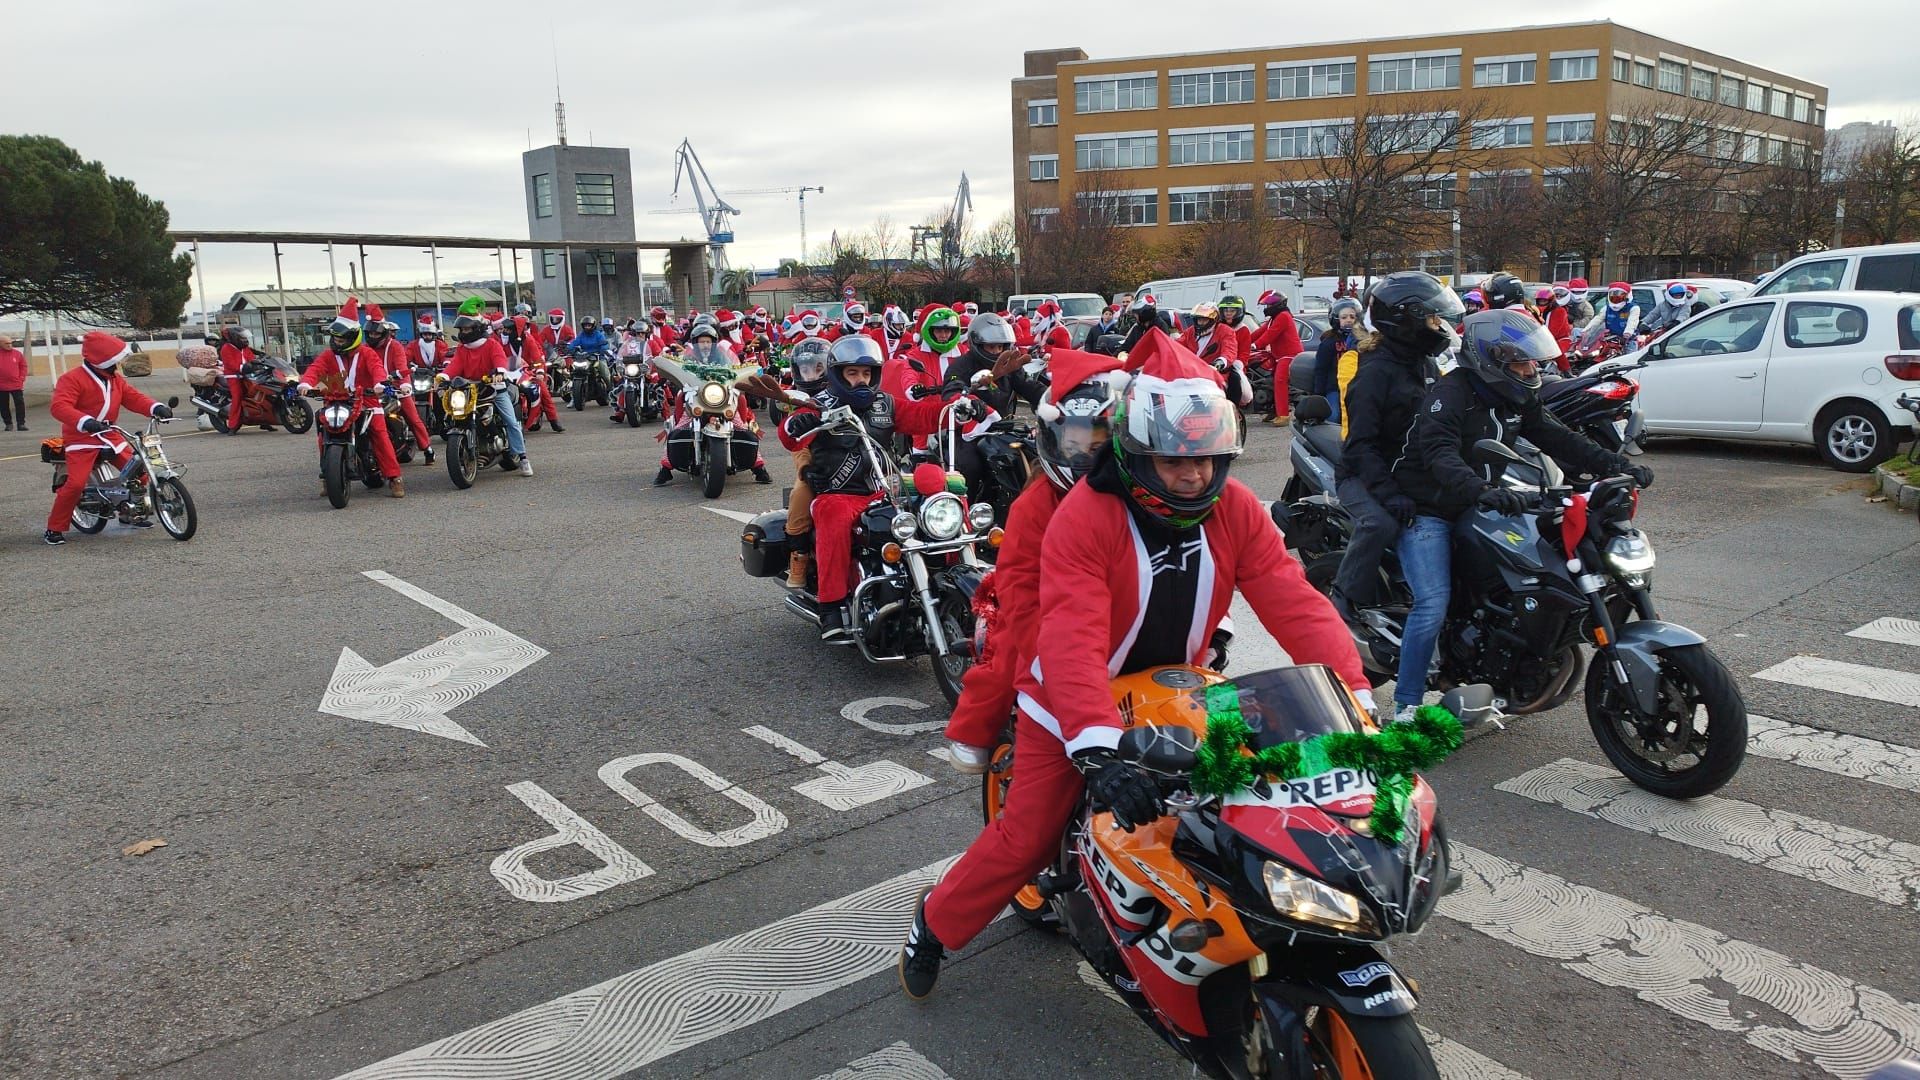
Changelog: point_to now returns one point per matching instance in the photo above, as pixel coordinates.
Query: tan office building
(1170, 137)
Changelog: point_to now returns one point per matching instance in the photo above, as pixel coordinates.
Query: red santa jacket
(1280, 337)
(1056, 337)
(988, 691)
(1022, 331)
(83, 394)
(232, 357)
(1096, 579)
(1221, 343)
(1561, 327)
(919, 419)
(359, 372)
(422, 353)
(477, 361)
(393, 357)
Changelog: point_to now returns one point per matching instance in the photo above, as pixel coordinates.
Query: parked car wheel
(1852, 436)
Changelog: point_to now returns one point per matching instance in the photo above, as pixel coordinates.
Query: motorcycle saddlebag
(745, 448)
(763, 545)
(680, 448)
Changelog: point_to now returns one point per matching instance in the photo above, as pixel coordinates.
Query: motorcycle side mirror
(173, 402)
(1498, 449)
(1167, 750)
(1472, 703)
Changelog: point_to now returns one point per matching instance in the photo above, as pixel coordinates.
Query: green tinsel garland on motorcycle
(719, 373)
(1392, 756)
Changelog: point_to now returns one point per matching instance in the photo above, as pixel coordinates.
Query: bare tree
(994, 252)
(1373, 182)
(1882, 186)
(1088, 244)
(1500, 221)
(1230, 234)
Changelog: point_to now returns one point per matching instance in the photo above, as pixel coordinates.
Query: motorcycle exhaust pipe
(205, 407)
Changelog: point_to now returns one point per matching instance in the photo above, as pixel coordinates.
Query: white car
(1819, 368)
(1880, 268)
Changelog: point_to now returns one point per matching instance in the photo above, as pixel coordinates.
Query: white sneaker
(1404, 714)
(526, 467)
(968, 759)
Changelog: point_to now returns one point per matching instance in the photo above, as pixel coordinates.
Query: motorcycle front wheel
(1343, 1047)
(1668, 754)
(632, 411)
(579, 394)
(174, 507)
(333, 470)
(956, 624)
(297, 416)
(714, 480)
(461, 468)
(1032, 908)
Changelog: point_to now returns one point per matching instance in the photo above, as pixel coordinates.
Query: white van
(1073, 305)
(1180, 294)
(1881, 268)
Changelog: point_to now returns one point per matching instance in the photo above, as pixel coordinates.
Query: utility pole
(1456, 248)
(1840, 221)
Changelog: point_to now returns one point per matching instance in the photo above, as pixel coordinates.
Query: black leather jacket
(1378, 410)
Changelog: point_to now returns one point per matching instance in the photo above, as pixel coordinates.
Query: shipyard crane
(949, 229)
(800, 190)
(716, 213)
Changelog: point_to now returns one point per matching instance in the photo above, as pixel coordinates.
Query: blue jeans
(506, 403)
(1426, 558)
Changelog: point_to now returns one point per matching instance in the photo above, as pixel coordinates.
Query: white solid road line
(637, 1018)
(896, 1062)
(1846, 859)
(1855, 680)
(1898, 631)
(1889, 764)
(1796, 1011)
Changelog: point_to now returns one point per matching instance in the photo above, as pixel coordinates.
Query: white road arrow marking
(417, 691)
(740, 516)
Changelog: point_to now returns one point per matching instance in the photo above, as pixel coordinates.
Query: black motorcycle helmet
(1503, 291)
(854, 350)
(1074, 431)
(469, 328)
(343, 334)
(234, 336)
(808, 359)
(989, 336)
(587, 324)
(1505, 349)
(1411, 309)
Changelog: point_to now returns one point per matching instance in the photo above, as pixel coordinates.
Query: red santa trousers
(833, 518)
(79, 471)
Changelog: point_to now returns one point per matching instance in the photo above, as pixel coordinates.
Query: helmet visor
(1073, 443)
(1173, 422)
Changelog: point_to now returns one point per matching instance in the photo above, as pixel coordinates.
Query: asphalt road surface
(651, 827)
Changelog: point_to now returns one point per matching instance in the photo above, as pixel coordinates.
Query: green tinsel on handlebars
(1225, 765)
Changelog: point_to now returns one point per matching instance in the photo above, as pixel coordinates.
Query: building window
(1673, 76)
(1400, 74)
(1116, 95)
(1802, 108)
(600, 263)
(1623, 69)
(1573, 68)
(1115, 152)
(1557, 181)
(1565, 131)
(1780, 104)
(1494, 134)
(1820, 116)
(1122, 208)
(1284, 198)
(1643, 74)
(1776, 151)
(549, 262)
(1043, 113)
(1434, 192)
(1209, 147)
(1569, 265)
(1295, 142)
(1415, 134)
(593, 193)
(1752, 146)
(1483, 189)
(1732, 91)
(1701, 85)
(1210, 87)
(1043, 167)
(1756, 98)
(542, 195)
(1326, 78)
(1189, 207)
(1043, 219)
(1726, 145)
(1503, 71)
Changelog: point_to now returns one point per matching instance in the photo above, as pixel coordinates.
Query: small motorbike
(535, 385)
(476, 436)
(587, 372)
(1251, 930)
(272, 396)
(346, 448)
(405, 446)
(640, 395)
(148, 486)
(716, 435)
(913, 557)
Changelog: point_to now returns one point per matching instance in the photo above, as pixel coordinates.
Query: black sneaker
(920, 957)
(555, 425)
(760, 475)
(54, 539)
(1344, 606)
(663, 477)
(833, 624)
(429, 455)
(141, 523)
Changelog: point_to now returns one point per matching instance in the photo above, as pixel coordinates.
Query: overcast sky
(409, 117)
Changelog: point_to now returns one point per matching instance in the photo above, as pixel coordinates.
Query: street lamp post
(1839, 221)
(1456, 247)
(439, 307)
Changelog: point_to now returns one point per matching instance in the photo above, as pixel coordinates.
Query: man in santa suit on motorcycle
(926, 363)
(522, 339)
(393, 357)
(236, 351)
(1048, 332)
(663, 326)
(1219, 346)
(86, 402)
(558, 331)
(893, 326)
(350, 370)
(853, 320)
(1137, 569)
(809, 324)
(478, 358)
(427, 349)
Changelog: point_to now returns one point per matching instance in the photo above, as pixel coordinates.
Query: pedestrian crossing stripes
(1897, 631)
(896, 1062)
(1835, 855)
(1796, 1011)
(1888, 764)
(1854, 680)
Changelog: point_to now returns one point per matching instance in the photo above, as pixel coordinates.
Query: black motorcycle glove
(1113, 785)
(801, 423)
(161, 412)
(1217, 649)
(1642, 476)
(94, 426)
(1402, 508)
(1501, 500)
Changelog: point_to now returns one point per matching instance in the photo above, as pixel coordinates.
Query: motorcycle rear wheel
(461, 468)
(174, 507)
(333, 469)
(297, 416)
(1031, 907)
(1691, 679)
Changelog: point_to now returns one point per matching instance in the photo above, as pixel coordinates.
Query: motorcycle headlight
(459, 401)
(579, 365)
(633, 371)
(1630, 554)
(980, 516)
(903, 527)
(1297, 896)
(942, 517)
(336, 415)
(713, 395)
(422, 384)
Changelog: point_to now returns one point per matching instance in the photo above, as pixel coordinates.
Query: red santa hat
(426, 325)
(102, 350)
(348, 321)
(1160, 359)
(374, 314)
(1072, 368)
